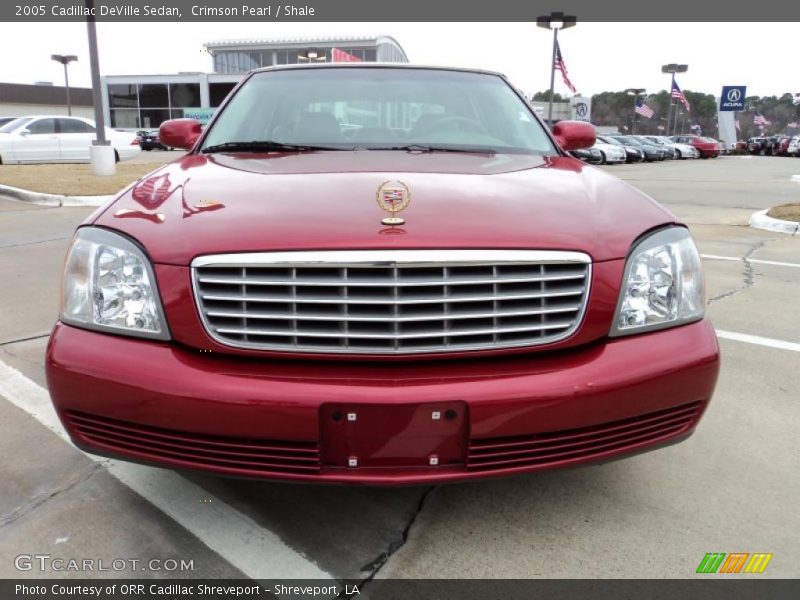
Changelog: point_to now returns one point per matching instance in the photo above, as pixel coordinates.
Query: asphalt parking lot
(732, 487)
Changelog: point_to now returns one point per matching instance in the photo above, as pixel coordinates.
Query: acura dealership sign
(581, 108)
(732, 97)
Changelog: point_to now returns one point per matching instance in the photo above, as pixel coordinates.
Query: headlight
(662, 285)
(109, 285)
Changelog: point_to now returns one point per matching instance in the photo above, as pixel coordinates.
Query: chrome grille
(391, 301)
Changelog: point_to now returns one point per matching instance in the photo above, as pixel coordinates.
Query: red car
(707, 147)
(381, 275)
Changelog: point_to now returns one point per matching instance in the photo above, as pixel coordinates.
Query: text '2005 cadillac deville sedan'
(379, 274)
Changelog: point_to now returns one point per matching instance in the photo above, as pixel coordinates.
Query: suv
(445, 294)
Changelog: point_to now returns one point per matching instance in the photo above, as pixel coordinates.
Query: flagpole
(552, 77)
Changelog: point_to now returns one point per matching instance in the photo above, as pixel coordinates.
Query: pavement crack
(30, 338)
(748, 276)
(40, 499)
(375, 565)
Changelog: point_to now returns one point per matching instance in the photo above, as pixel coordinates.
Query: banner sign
(732, 97)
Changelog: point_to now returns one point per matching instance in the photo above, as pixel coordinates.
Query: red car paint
(707, 149)
(194, 403)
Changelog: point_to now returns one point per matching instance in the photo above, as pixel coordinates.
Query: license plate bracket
(393, 435)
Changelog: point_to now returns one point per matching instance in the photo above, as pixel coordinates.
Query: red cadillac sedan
(380, 275)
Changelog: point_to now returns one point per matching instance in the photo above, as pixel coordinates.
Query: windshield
(15, 124)
(380, 108)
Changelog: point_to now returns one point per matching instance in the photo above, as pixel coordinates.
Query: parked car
(471, 301)
(794, 146)
(781, 148)
(592, 155)
(651, 151)
(610, 153)
(4, 120)
(707, 147)
(680, 151)
(51, 139)
(148, 140)
(633, 153)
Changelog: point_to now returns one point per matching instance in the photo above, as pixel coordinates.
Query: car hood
(224, 203)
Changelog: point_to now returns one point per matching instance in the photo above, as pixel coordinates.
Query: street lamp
(672, 68)
(554, 21)
(635, 92)
(65, 60)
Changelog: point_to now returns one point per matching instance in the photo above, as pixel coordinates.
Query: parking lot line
(255, 551)
(757, 339)
(751, 260)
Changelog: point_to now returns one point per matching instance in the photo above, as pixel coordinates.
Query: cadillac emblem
(393, 196)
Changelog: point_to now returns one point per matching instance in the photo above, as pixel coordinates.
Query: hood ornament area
(393, 197)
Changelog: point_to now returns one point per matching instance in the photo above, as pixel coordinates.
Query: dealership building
(145, 101)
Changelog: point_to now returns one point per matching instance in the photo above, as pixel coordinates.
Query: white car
(681, 150)
(611, 153)
(794, 146)
(53, 138)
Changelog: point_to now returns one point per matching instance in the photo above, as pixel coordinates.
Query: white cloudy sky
(600, 56)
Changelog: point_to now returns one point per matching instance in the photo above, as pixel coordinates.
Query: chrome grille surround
(391, 301)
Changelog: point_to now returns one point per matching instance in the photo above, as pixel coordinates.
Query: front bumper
(392, 423)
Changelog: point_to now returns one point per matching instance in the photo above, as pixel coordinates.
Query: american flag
(760, 119)
(342, 56)
(678, 95)
(642, 109)
(560, 66)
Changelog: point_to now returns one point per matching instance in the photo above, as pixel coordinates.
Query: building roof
(21, 93)
(268, 42)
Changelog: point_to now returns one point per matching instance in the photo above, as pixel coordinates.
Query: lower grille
(554, 447)
(391, 302)
(254, 456)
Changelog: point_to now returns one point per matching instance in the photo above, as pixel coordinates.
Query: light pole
(635, 92)
(554, 21)
(672, 68)
(65, 60)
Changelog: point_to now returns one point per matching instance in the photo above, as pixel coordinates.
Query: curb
(52, 200)
(760, 220)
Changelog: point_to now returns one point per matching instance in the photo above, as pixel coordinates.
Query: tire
(762, 152)
(116, 156)
(603, 156)
(678, 155)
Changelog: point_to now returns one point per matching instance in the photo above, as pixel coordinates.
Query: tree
(545, 97)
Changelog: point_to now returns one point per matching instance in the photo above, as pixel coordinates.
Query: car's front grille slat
(401, 302)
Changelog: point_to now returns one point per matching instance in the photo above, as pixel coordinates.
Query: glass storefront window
(153, 117)
(125, 118)
(184, 94)
(153, 95)
(122, 95)
(217, 92)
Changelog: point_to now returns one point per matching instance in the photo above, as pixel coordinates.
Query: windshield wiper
(432, 148)
(263, 146)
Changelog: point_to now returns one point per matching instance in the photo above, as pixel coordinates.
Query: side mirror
(179, 133)
(24, 132)
(574, 135)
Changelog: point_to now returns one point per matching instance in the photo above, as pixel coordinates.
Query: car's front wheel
(603, 160)
(678, 155)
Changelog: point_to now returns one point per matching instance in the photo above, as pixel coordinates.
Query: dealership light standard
(65, 60)
(672, 68)
(101, 152)
(636, 93)
(555, 21)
